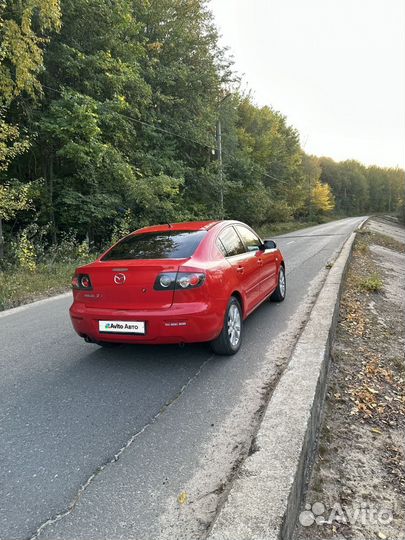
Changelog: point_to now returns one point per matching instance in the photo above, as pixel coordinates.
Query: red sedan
(178, 283)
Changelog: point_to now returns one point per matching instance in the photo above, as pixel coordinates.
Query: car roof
(184, 226)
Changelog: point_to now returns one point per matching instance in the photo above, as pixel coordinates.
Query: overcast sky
(335, 68)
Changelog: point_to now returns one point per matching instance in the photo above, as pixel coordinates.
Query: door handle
(240, 269)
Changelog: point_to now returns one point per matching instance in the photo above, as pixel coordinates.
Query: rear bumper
(182, 323)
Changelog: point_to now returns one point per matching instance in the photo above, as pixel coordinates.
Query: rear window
(157, 245)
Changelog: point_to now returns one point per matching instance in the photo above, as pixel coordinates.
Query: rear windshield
(156, 245)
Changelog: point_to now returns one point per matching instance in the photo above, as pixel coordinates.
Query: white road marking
(292, 241)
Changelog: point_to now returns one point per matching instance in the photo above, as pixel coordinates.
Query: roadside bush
(279, 212)
(68, 250)
(25, 252)
(83, 251)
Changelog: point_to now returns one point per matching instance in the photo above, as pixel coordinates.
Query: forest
(115, 114)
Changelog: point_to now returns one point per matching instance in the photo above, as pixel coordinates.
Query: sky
(334, 68)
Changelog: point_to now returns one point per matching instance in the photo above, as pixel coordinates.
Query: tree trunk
(90, 235)
(51, 203)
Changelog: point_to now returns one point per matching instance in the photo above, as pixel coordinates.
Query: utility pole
(219, 157)
(221, 173)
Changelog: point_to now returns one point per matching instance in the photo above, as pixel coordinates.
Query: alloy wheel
(234, 325)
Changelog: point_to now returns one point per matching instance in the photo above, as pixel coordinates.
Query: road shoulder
(265, 496)
(357, 488)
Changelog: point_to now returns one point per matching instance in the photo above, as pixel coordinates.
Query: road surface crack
(73, 503)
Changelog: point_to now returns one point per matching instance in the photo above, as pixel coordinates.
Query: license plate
(121, 327)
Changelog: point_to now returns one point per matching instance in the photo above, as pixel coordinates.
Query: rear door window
(230, 243)
(250, 239)
(156, 245)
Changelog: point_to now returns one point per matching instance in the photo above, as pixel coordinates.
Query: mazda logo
(119, 279)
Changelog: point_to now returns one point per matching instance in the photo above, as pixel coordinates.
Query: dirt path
(357, 488)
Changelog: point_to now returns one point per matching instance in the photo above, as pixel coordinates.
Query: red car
(177, 283)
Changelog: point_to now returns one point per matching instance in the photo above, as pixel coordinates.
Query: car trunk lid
(129, 285)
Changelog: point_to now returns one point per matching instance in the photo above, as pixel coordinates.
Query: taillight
(179, 281)
(189, 281)
(82, 281)
(166, 280)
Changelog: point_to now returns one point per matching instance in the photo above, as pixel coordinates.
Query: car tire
(229, 340)
(279, 294)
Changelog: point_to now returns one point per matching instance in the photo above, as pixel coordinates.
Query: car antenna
(169, 225)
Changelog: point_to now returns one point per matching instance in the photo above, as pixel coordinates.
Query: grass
(275, 229)
(21, 286)
(361, 247)
(373, 237)
(372, 283)
(388, 242)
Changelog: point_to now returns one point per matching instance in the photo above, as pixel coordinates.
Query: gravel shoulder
(357, 485)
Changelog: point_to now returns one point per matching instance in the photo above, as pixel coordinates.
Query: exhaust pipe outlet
(88, 340)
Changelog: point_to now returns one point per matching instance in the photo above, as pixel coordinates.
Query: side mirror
(269, 244)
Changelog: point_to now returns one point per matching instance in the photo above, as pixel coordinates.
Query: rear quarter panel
(221, 279)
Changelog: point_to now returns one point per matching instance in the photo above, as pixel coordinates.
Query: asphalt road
(99, 443)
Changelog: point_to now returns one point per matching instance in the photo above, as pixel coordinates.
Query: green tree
(130, 105)
(24, 27)
(311, 172)
(186, 70)
(348, 180)
(273, 151)
(86, 143)
(12, 200)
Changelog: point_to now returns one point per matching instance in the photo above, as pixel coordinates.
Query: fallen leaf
(182, 498)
